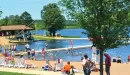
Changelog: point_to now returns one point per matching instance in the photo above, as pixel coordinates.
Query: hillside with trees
(23, 19)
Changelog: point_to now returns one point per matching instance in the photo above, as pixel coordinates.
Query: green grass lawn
(71, 36)
(72, 27)
(39, 27)
(12, 73)
(38, 37)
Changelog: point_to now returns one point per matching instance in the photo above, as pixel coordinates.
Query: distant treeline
(26, 19)
(39, 24)
(23, 19)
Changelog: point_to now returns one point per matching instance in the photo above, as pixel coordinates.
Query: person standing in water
(33, 54)
(46, 45)
(43, 53)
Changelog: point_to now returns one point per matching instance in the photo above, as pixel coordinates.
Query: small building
(13, 30)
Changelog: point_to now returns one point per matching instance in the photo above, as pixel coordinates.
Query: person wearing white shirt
(86, 63)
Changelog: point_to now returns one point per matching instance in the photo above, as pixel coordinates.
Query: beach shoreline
(116, 69)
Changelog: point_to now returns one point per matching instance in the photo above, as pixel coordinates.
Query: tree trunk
(54, 33)
(49, 33)
(101, 62)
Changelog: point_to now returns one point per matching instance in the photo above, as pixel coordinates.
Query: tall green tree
(13, 20)
(17, 20)
(0, 13)
(4, 21)
(52, 17)
(106, 21)
(26, 19)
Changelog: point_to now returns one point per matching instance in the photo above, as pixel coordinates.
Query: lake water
(122, 51)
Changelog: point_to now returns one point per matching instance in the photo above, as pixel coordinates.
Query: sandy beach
(4, 41)
(116, 69)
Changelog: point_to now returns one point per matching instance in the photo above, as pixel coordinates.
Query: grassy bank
(72, 27)
(38, 37)
(12, 73)
(40, 27)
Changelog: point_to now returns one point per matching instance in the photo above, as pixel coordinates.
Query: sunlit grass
(13, 73)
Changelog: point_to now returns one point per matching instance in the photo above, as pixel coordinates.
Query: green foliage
(72, 26)
(52, 18)
(106, 21)
(26, 19)
(39, 25)
(71, 23)
(12, 20)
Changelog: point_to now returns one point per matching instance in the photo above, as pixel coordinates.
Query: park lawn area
(70, 36)
(72, 27)
(38, 37)
(13, 73)
(40, 27)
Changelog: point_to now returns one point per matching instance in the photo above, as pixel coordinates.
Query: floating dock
(63, 49)
(71, 38)
(60, 49)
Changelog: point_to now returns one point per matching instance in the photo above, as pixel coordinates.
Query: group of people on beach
(119, 60)
(86, 63)
(67, 69)
(9, 54)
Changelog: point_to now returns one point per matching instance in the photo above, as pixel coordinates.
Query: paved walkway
(26, 71)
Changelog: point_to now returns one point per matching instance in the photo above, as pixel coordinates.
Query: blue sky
(13, 7)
